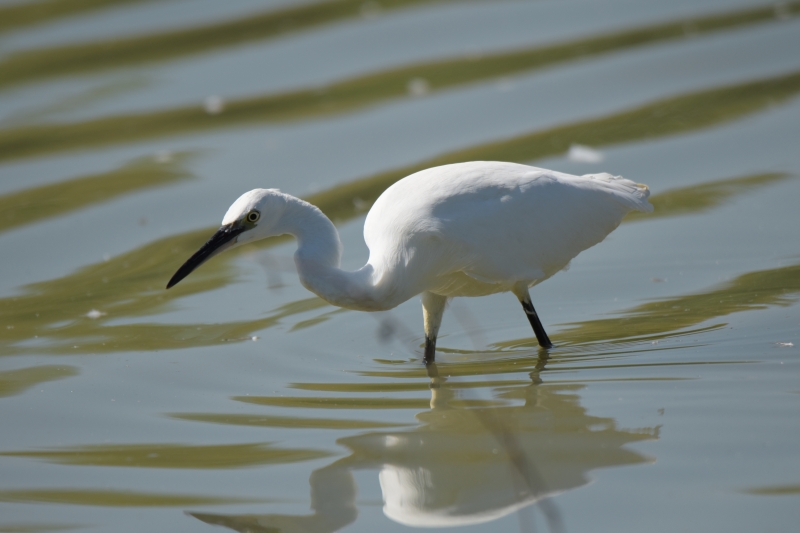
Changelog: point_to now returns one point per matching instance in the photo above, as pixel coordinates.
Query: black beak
(221, 240)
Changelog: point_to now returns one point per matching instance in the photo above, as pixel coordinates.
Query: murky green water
(238, 399)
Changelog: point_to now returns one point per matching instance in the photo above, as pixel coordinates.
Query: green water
(239, 399)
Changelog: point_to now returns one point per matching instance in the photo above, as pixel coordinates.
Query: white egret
(467, 229)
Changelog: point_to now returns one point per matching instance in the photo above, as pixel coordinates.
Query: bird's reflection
(465, 466)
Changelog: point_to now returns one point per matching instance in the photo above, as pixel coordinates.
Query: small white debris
(163, 157)
(360, 204)
(418, 87)
(254, 338)
(94, 313)
(584, 154)
(214, 104)
(785, 344)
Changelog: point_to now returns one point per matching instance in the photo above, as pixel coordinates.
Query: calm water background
(670, 402)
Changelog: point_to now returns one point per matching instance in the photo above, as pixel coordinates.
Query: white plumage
(478, 228)
(467, 229)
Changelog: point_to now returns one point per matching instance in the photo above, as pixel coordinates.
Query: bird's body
(467, 229)
(479, 228)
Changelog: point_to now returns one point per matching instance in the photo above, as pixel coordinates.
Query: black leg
(430, 350)
(536, 324)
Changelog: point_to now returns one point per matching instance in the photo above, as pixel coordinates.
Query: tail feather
(634, 195)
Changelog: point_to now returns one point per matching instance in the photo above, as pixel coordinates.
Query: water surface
(239, 399)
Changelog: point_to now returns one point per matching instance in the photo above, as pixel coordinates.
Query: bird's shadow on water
(469, 460)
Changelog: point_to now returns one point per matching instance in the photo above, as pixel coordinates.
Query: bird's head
(254, 215)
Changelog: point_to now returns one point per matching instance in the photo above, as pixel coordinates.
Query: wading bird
(467, 229)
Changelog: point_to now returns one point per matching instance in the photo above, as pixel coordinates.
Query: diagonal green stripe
(346, 95)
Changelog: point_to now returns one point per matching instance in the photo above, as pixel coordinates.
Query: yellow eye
(253, 216)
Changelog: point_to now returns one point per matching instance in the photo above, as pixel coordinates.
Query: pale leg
(432, 310)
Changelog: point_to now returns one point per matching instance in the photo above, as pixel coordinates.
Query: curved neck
(318, 257)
